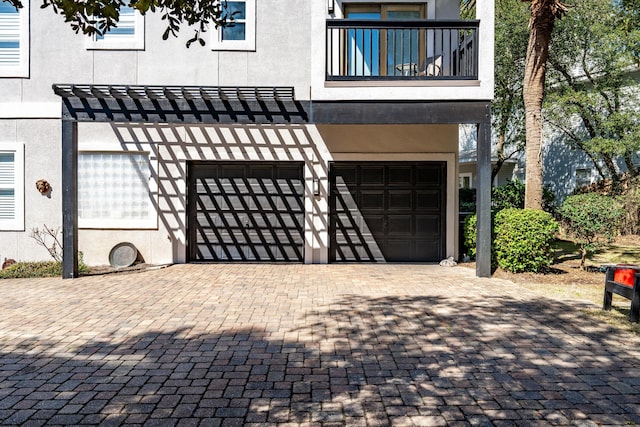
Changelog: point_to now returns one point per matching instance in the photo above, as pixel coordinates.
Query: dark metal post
(69, 199)
(483, 199)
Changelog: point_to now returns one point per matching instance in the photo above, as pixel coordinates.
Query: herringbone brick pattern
(357, 345)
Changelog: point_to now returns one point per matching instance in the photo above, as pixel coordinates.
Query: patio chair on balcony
(431, 66)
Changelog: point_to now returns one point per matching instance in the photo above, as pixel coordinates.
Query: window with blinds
(14, 40)
(114, 190)
(11, 187)
(127, 35)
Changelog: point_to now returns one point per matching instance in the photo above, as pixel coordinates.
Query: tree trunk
(610, 164)
(628, 161)
(583, 259)
(501, 157)
(543, 15)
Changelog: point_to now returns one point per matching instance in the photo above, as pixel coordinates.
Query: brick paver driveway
(307, 344)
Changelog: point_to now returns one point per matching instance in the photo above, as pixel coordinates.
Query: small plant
(592, 220)
(48, 238)
(523, 240)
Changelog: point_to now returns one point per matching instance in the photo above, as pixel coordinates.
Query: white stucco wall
(42, 153)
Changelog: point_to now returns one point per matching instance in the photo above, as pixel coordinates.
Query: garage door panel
(400, 225)
(345, 201)
(246, 211)
(429, 248)
(220, 219)
(397, 250)
(400, 200)
(372, 200)
(372, 175)
(429, 225)
(430, 176)
(387, 211)
(345, 175)
(400, 176)
(375, 224)
(429, 199)
(290, 203)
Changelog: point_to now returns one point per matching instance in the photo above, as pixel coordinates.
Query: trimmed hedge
(523, 239)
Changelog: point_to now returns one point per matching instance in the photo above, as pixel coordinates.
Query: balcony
(422, 50)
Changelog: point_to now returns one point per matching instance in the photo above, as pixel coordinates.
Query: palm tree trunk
(543, 15)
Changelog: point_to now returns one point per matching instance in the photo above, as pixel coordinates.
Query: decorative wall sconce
(316, 187)
(330, 6)
(43, 186)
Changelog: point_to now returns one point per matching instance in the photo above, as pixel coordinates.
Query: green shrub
(509, 195)
(592, 220)
(469, 230)
(523, 239)
(22, 270)
(25, 270)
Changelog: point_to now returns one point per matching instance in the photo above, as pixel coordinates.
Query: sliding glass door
(380, 52)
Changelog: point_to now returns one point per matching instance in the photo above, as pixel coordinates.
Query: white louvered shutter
(9, 35)
(126, 28)
(7, 186)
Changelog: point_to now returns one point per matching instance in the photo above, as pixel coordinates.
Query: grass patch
(27, 270)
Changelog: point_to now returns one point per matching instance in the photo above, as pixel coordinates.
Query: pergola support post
(483, 200)
(69, 199)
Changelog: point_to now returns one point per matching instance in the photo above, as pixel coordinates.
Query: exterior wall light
(330, 6)
(316, 187)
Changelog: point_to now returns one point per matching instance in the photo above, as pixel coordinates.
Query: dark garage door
(246, 211)
(387, 211)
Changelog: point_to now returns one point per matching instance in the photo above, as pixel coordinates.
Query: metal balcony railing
(358, 49)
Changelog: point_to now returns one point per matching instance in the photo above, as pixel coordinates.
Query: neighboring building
(467, 161)
(309, 132)
(566, 167)
(468, 177)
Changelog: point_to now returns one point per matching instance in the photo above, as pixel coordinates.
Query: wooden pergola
(255, 105)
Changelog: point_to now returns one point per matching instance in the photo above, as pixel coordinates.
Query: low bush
(523, 239)
(25, 270)
(469, 231)
(592, 220)
(509, 195)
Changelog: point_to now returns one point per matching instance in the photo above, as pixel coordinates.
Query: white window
(14, 40)
(127, 35)
(465, 180)
(242, 34)
(115, 190)
(12, 187)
